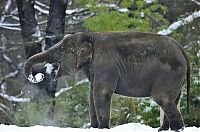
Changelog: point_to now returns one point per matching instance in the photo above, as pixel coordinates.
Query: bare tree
(31, 34)
(55, 31)
(29, 27)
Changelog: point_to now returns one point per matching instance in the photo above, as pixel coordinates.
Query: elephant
(131, 64)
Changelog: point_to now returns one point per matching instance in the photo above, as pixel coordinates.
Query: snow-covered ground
(131, 127)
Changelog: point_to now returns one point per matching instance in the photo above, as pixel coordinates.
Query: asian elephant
(130, 64)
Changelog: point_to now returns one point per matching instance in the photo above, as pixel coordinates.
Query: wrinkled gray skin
(131, 64)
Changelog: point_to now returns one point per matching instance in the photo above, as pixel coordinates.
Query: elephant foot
(177, 126)
(87, 126)
(179, 130)
(163, 129)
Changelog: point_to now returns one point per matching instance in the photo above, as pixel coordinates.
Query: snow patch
(123, 10)
(130, 127)
(198, 54)
(149, 1)
(49, 68)
(37, 78)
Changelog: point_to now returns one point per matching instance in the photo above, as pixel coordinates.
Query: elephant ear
(84, 54)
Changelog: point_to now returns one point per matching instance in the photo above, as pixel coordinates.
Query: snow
(198, 3)
(149, 1)
(123, 10)
(68, 88)
(10, 28)
(13, 98)
(41, 10)
(180, 23)
(130, 127)
(37, 78)
(49, 68)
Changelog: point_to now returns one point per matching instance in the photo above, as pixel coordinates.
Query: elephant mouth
(55, 69)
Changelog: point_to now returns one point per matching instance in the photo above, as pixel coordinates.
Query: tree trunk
(55, 30)
(31, 33)
(29, 27)
(56, 22)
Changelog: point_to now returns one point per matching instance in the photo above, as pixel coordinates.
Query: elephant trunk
(52, 55)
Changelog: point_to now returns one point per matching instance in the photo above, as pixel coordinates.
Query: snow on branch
(10, 26)
(62, 90)
(13, 98)
(68, 88)
(11, 74)
(41, 4)
(4, 106)
(176, 25)
(46, 12)
(198, 3)
(114, 6)
(68, 12)
(7, 6)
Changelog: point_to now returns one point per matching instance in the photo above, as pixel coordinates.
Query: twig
(13, 98)
(10, 28)
(10, 24)
(41, 4)
(7, 6)
(62, 90)
(11, 74)
(4, 107)
(7, 58)
(46, 12)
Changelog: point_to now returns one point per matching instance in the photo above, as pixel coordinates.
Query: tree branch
(198, 3)
(184, 21)
(9, 26)
(62, 90)
(13, 98)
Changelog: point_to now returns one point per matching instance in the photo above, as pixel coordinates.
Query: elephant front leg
(102, 106)
(93, 116)
(104, 87)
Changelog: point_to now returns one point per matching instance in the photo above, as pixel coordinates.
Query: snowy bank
(131, 127)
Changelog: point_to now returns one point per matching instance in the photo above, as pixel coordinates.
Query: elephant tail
(187, 78)
(188, 84)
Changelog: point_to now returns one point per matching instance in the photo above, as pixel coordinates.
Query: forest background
(37, 25)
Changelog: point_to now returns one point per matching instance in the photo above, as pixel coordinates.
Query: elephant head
(70, 53)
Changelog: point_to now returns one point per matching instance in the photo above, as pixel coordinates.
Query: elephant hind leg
(171, 112)
(165, 124)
